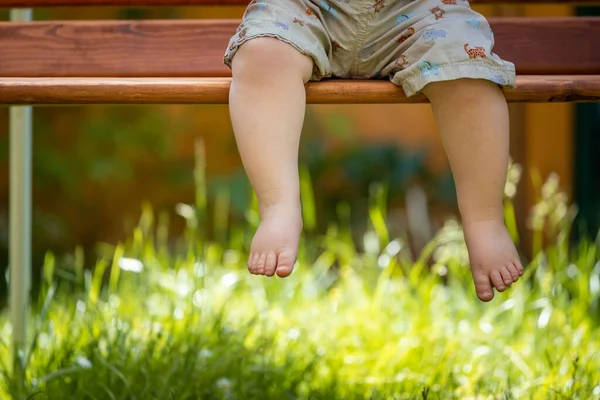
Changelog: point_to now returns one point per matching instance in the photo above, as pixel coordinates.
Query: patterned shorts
(413, 42)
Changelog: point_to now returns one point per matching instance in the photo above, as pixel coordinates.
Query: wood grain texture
(115, 48)
(540, 89)
(55, 3)
(195, 48)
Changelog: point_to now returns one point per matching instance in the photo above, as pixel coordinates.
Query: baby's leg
(472, 118)
(267, 104)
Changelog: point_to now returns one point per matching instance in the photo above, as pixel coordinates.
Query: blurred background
(94, 166)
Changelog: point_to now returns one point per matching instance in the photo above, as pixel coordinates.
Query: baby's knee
(269, 58)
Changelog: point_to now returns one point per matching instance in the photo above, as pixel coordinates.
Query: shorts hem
(414, 82)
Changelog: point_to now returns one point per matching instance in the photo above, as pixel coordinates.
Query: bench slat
(54, 3)
(215, 91)
(191, 48)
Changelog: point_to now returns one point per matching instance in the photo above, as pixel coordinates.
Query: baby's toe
(271, 264)
(285, 263)
(514, 273)
(519, 266)
(251, 263)
(262, 260)
(506, 276)
(255, 259)
(497, 280)
(483, 288)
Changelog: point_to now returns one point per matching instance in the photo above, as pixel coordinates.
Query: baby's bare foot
(493, 256)
(275, 245)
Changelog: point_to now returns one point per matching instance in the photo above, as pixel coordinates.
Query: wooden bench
(180, 61)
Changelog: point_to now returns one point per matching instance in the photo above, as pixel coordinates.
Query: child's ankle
(278, 199)
(479, 216)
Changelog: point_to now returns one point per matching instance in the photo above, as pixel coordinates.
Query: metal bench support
(20, 215)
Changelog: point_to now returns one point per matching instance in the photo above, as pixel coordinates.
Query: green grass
(348, 324)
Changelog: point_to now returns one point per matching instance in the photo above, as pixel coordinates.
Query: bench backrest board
(194, 48)
(54, 3)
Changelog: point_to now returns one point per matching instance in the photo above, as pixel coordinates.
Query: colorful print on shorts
(438, 12)
(327, 7)
(474, 22)
(403, 18)
(475, 52)
(311, 13)
(281, 25)
(429, 68)
(401, 61)
(378, 6)
(432, 34)
(407, 34)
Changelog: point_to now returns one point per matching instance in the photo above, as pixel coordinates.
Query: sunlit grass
(156, 320)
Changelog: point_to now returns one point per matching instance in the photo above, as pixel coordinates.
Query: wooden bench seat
(556, 60)
(536, 89)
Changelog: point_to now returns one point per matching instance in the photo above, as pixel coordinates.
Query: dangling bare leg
(472, 118)
(267, 106)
